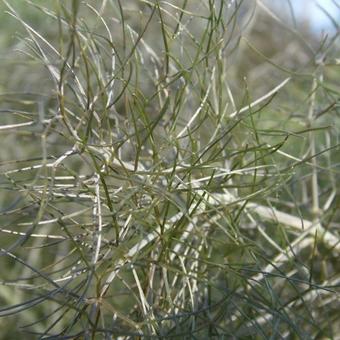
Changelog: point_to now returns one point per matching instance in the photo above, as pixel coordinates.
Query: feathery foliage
(167, 172)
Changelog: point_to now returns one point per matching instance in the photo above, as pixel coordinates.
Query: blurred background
(269, 24)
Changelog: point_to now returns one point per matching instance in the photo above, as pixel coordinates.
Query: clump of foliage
(164, 175)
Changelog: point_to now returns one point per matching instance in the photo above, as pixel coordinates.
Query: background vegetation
(168, 169)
